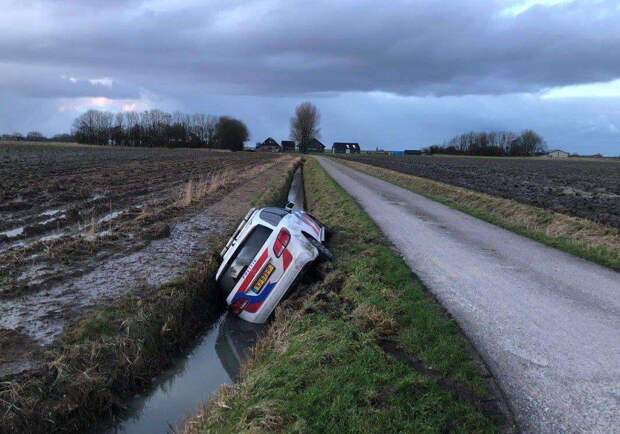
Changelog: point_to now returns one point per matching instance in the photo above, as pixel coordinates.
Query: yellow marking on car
(262, 280)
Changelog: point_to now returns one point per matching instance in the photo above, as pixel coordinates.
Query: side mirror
(289, 206)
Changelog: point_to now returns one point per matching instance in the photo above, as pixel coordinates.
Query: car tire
(324, 253)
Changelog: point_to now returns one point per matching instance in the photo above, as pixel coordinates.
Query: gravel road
(547, 323)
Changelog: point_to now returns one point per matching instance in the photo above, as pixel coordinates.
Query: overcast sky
(394, 74)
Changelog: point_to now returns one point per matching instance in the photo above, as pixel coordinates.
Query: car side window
(273, 215)
(243, 257)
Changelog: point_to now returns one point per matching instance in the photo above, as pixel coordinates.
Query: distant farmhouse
(316, 146)
(345, 148)
(269, 145)
(288, 146)
(557, 153)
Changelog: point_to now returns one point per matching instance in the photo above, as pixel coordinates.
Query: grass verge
(364, 350)
(578, 236)
(116, 350)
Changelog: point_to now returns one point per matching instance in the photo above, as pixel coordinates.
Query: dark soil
(582, 188)
(65, 208)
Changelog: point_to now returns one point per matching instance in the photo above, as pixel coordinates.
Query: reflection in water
(193, 378)
(234, 342)
(296, 191)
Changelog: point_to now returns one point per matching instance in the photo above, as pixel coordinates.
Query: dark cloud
(276, 47)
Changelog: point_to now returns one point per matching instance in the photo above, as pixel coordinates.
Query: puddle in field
(194, 377)
(53, 236)
(12, 233)
(110, 216)
(42, 316)
(50, 212)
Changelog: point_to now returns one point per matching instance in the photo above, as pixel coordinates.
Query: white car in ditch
(265, 257)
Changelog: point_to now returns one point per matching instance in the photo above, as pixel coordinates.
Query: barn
(269, 145)
(345, 148)
(557, 153)
(315, 146)
(288, 146)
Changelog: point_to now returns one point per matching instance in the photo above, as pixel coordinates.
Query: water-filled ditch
(213, 361)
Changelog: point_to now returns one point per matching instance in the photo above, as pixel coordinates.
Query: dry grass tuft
(186, 195)
(369, 317)
(194, 191)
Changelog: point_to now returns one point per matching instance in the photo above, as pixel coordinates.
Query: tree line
(35, 136)
(156, 128)
(494, 143)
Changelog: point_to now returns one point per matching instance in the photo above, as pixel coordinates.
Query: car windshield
(273, 215)
(243, 257)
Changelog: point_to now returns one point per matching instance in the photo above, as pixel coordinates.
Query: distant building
(269, 145)
(413, 152)
(557, 153)
(345, 148)
(288, 146)
(316, 146)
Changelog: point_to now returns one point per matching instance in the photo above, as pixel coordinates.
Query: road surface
(547, 323)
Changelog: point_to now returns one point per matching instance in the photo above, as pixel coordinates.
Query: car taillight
(281, 242)
(238, 306)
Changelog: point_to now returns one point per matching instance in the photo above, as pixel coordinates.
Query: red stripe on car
(287, 258)
(257, 267)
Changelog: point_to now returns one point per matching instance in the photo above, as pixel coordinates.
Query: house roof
(269, 141)
(557, 150)
(316, 142)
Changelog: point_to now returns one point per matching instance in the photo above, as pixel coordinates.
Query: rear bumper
(283, 285)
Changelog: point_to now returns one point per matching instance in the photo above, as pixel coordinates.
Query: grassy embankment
(116, 350)
(363, 350)
(578, 236)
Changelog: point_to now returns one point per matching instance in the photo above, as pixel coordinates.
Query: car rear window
(243, 257)
(273, 215)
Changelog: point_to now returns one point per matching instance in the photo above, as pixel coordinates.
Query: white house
(557, 153)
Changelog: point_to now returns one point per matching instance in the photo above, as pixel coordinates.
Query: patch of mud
(42, 316)
(18, 353)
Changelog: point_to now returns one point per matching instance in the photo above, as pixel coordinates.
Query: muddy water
(42, 316)
(296, 192)
(194, 377)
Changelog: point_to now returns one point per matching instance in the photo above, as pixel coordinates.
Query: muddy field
(582, 188)
(81, 225)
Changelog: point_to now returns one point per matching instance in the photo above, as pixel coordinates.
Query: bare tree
(148, 128)
(494, 143)
(305, 125)
(35, 136)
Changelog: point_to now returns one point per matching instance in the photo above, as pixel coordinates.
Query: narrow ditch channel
(196, 375)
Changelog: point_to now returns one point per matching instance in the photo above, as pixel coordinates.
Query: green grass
(365, 350)
(578, 236)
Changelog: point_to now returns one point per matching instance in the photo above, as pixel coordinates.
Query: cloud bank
(483, 64)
